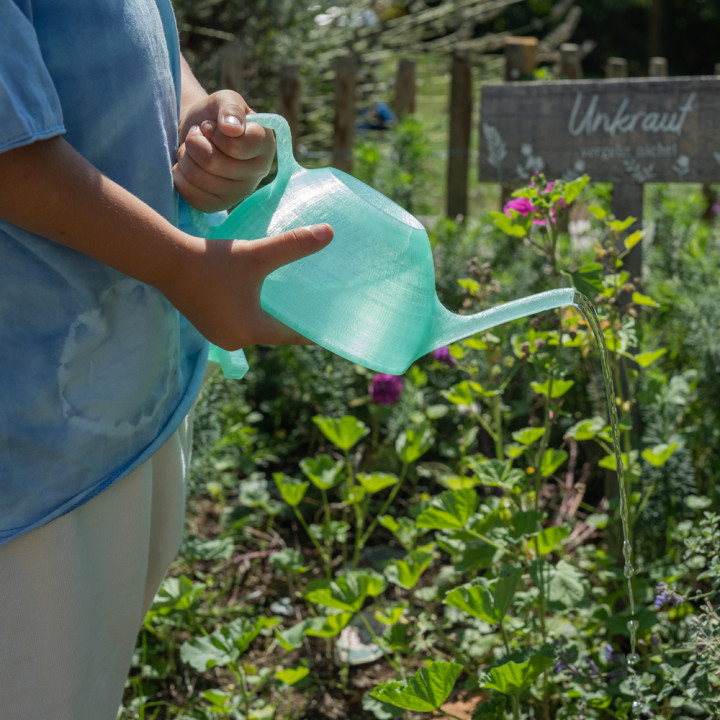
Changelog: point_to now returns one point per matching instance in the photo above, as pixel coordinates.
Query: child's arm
(221, 158)
(50, 189)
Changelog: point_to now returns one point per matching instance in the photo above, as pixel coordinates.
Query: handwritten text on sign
(629, 131)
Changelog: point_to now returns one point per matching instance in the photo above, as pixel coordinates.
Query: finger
(231, 119)
(255, 142)
(272, 252)
(201, 147)
(195, 196)
(212, 174)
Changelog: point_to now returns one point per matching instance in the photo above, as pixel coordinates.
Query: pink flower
(442, 355)
(521, 205)
(385, 389)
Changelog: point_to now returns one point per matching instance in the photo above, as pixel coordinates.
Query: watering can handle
(286, 162)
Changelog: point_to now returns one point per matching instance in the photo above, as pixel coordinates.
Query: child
(105, 312)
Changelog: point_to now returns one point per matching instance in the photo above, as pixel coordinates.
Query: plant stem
(325, 558)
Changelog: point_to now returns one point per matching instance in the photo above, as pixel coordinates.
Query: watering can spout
(448, 327)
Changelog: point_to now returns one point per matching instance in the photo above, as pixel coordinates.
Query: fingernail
(233, 120)
(322, 232)
(194, 129)
(207, 128)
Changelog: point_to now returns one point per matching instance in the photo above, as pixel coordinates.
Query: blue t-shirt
(96, 369)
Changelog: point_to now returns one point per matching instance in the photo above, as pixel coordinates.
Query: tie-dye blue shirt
(96, 369)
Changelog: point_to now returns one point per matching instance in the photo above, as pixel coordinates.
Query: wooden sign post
(626, 132)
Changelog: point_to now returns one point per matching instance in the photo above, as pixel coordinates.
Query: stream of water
(588, 311)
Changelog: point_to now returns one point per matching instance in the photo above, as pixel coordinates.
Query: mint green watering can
(369, 296)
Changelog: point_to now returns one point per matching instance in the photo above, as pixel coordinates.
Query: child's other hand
(216, 285)
(221, 158)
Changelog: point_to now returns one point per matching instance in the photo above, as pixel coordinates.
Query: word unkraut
(591, 120)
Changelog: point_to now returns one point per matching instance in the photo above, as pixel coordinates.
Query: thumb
(272, 252)
(231, 120)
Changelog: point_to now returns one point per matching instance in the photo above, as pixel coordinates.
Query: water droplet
(633, 625)
(629, 570)
(638, 708)
(633, 659)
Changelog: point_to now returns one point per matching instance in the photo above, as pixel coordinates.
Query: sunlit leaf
(529, 435)
(449, 511)
(554, 390)
(512, 677)
(346, 592)
(488, 600)
(392, 614)
(640, 299)
(633, 239)
(425, 691)
(551, 460)
(573, 188)
(375, 482)
(549, 538)
(292, 675)
(659, 454)
(648, 358)
(413, 443)
(292, 490)
(344, 433)
(323, 471)
(407, 572)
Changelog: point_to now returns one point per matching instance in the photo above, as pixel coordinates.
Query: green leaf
(291, 489)
(425, 691)
(488, 600)
(464, 393)
(391, 614)
(659, 454)
(588, 279)
(551, 460)
(322, 471)
(344, 433)
(512, 677)
(527, 436)
(406, 573)
(288, 559)
(597, 212)
(413, 443)
(563, 583)
(640, 299)
(586, 429)
(526, 522)
(496, 473)
(648, 358)
(514, 226)
(450, 510)
(550, 538)
(633, 239)
(328, 625)
(574, 188)
(224, 645)
(376, 482)
(292, 675)
(346, 592)
(559, 387)
(619, 225)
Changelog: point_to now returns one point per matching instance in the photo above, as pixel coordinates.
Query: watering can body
(369, 296)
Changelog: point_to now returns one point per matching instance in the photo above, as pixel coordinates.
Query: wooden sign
(621, 131)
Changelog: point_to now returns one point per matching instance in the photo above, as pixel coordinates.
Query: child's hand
(216, 285)
(221, 159)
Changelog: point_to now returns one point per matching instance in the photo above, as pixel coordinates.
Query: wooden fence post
(404, 88)
(345, 112)
(290, 100)
(520, 58)
(658, 67)
(709, 193)
(459, 141)
(570, 62)
(616, 68)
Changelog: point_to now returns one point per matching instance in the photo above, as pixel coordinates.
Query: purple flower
(385, 389)
(665, 596)
(608, 652)
(521, 205)
(442, 355)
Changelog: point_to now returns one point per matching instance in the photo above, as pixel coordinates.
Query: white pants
(74, 593)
